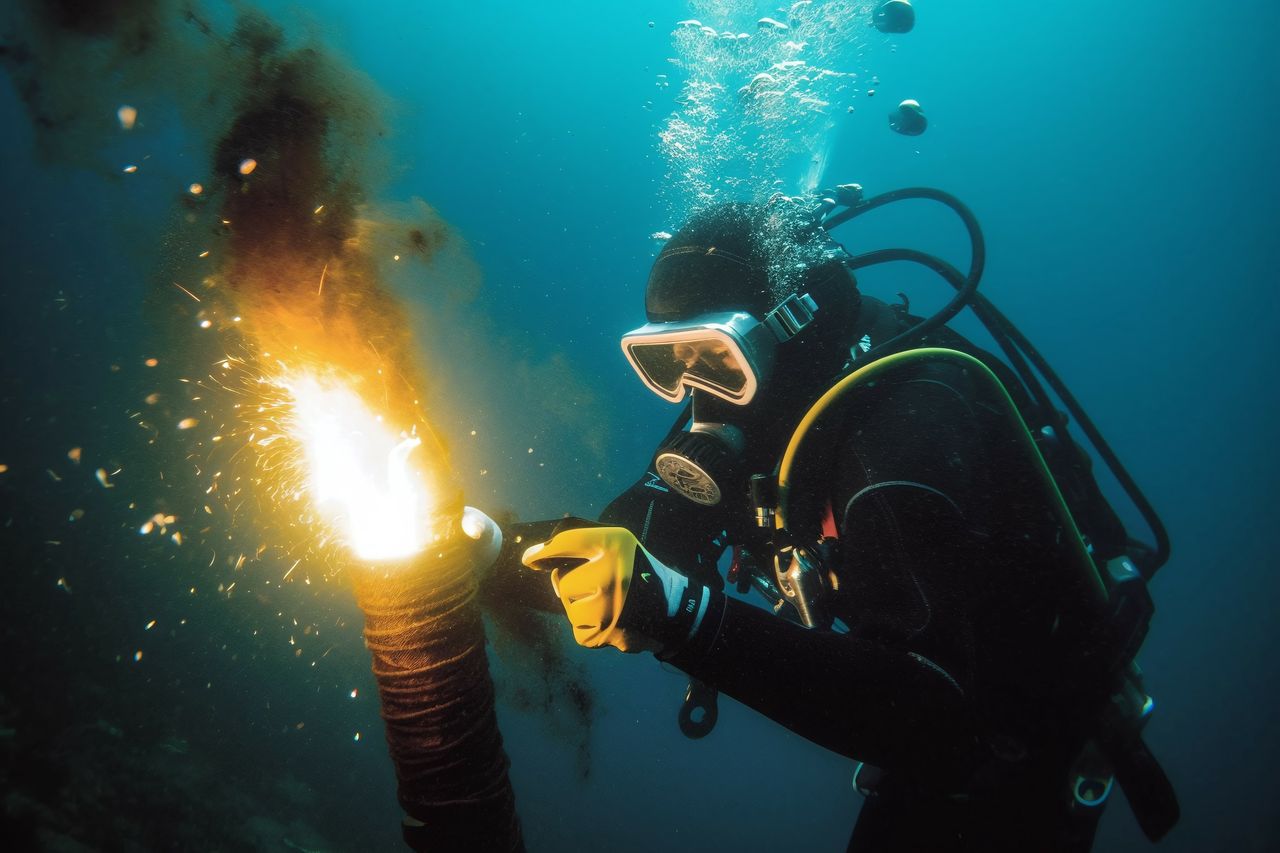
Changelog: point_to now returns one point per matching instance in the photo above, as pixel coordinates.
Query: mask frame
(749, 343)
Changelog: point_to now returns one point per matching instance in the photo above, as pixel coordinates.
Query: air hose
(1015, 346)
(877, 370)
(424, 631)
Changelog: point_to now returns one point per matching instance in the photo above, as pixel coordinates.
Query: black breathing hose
(977, 262)
(1016, 347)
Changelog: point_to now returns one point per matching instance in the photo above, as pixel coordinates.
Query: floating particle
(195, 189)
(3, 468)
(357, 737)
(395, 257)
(354, 692)
(147, 527)
(318, 210)
(101, 474)
(530, 449)
(76, 515)
(53, 475)
(152, 398)
(127, 115)
(871, 93)
(177, 538)
(74, 455)
(473, 432)
(137, 656)
(150, 625)
(151, 362)
(64, 586)
(130, 169)
(247, 165)
(203, 254)
(771, 24)
(660, 235)
(187, 423)
(204, 324)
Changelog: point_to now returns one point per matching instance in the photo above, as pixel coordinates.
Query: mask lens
(708, 362)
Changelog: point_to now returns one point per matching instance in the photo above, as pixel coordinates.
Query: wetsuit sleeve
(673, 529)
(894, 691)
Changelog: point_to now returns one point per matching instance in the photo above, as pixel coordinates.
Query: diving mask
(727, 354)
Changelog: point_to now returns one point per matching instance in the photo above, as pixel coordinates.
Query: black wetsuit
(956, 677)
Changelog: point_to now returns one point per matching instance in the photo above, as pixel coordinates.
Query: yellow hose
(882, 366)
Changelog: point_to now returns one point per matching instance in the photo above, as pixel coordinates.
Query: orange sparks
(188, 292)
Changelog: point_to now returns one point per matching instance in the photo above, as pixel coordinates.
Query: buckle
(795, 312)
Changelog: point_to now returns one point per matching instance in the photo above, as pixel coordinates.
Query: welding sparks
(188, 292)
(359, 470)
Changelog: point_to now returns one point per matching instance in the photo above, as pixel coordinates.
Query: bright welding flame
(359, 474)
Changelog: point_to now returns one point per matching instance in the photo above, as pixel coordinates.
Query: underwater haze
(183, 663)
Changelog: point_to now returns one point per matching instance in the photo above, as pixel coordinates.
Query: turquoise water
(1118, 155)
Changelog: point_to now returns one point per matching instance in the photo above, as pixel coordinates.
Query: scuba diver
(955, 605)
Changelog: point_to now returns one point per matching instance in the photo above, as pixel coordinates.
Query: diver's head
(745, 299)
(752, 310)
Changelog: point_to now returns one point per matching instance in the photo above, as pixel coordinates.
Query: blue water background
(1121, 159)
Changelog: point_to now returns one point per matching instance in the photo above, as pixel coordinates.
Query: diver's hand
(615, 593)
(486, 537)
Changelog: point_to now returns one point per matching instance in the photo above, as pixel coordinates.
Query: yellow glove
(615, 593)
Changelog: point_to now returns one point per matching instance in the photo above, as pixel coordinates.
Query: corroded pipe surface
(423, 628)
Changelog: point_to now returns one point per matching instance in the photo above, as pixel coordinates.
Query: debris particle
(203, 254)
(204, 324)
(357, 737)
(354, 693)
(3, 468)
(150, 625)
(130, 169)
(101, 474)
(76, 515)
(74, 455)
(247, 165)
(187, 423)
(53, 475)
(195, 189)
(127, 115)
(151, 362)
(137, 656)
(177, 538)
(64, 586)
(152, 398)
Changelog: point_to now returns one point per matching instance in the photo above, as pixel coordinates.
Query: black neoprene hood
(715, 263)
